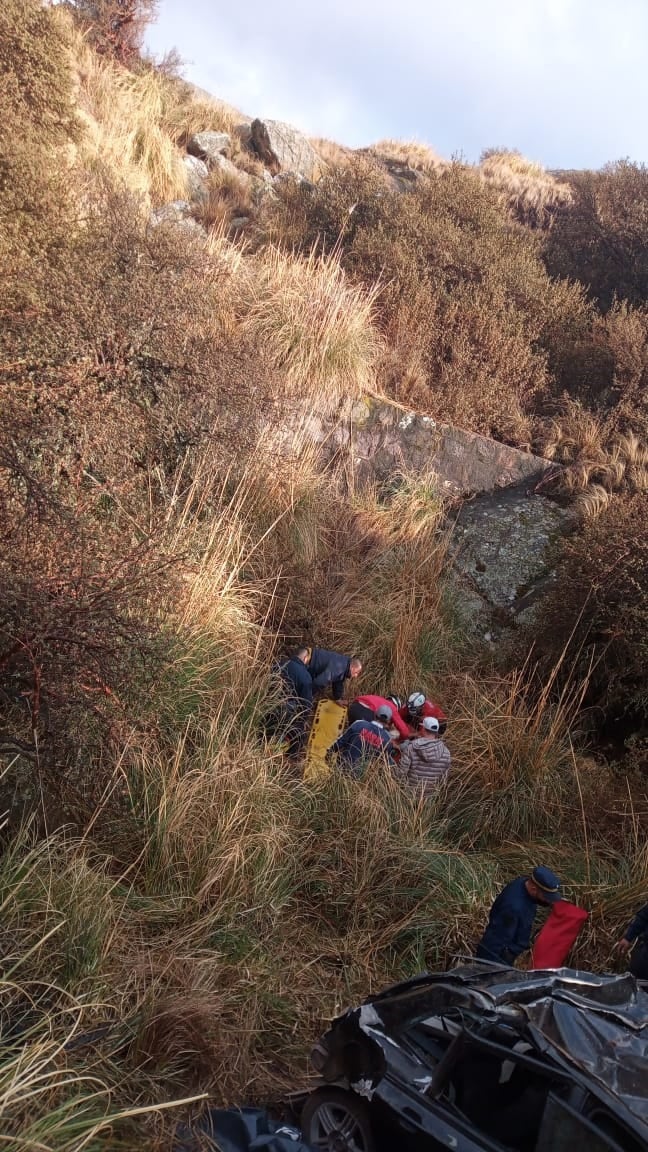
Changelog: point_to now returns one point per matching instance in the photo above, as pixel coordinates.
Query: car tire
(333, 1120)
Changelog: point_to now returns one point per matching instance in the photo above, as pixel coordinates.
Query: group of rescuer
(407, 734)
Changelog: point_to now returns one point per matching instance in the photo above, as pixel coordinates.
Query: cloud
(562, 80)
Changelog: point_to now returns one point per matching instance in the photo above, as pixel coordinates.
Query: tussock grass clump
(315, 326)
(413, 153)
(594, 461)
(228, 195)
(516, 774)
(124, 115)
(332, 153)
(531, 194)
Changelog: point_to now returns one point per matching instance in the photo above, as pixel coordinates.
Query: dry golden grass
(531, 194)
(594, 463)
(333, 155)
(228, 196)
(138, 123)
(123, 115)
(313, 324)
(215, 909)
(413, 153)
(189, 112)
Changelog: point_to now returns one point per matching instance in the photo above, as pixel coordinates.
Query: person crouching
(425, 760)
(362, 741)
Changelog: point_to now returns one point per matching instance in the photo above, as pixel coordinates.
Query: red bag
(557, 935)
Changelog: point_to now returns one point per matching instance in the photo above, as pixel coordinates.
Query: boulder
(178, 213)
(210, 146)
(504, 545)
(284, 149)
(221, 164)
(403, 178)
(197, 173)
(171, 213)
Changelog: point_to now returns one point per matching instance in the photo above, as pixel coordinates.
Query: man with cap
(425, 761)
(364, 740)
(508, 932)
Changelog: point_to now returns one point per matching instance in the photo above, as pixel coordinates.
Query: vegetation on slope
(181, 913)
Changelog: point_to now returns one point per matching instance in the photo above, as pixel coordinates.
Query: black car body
(485, 1058)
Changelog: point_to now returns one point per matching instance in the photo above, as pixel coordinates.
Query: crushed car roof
(597, 1024)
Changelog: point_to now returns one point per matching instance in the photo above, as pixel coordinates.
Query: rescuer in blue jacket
(637, 933)
(293, 713)
(331, 669)
(364, 740)
(508, 932)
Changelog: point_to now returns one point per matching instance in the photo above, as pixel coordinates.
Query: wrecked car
(486, 1057)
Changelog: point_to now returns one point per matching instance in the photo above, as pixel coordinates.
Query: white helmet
(430, 723)
(415, 701)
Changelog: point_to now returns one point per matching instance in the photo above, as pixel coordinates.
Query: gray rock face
(503, 546)
(209, 146)
(171, 213)
(284, 149)
(402, 176)
(178, 214)
(197, 173)
(384, 438)
(220, 163)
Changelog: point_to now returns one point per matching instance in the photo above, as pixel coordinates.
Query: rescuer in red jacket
(415, 711)
(364, 708)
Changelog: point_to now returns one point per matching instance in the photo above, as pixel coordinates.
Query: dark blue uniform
(298, 681)
(362, 740)
(292, 715)
(638, 930)
(510, 923)
(638, 926)
(329, 669)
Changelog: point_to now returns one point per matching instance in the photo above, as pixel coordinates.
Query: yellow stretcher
(329, 722)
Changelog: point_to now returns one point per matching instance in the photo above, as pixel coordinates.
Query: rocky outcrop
(283, 149)
(504, 545)
(383, 438)
(221, 164)
(197, 173)
(178, 214)
(210, 146)
(401, 175)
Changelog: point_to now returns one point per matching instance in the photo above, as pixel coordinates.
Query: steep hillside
(181, 911)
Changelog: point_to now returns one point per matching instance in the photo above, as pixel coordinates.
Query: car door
(563, 1129)
(421, 1124)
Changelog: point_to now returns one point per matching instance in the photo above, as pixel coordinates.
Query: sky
(563, 81)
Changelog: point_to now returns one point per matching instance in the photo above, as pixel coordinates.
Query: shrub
(465, 303)
(602, 238)
(38, 123)
(116, 27)
(599, 608)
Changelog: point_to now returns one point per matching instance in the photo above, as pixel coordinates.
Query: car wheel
(337, 1121)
